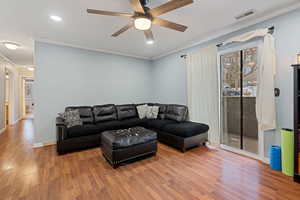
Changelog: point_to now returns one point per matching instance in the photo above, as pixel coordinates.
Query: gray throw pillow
(72, 118)
(62, 115)
(142, 111)
(152, 112)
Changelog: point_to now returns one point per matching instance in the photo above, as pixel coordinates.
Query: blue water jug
(275, 157)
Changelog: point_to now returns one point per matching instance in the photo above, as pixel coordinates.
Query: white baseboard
(42, 144)
(15, 122)
(266, 160)
(2, 130)
(212, 146)
(37, 145)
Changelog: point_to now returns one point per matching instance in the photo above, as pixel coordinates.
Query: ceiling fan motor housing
(144, 2)
(146, 15)
(143, 17)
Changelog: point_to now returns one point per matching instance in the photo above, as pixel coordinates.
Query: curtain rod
(271, 31)
(183, 56)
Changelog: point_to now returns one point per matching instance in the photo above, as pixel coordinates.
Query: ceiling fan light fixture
(150, 41)
(142, 23)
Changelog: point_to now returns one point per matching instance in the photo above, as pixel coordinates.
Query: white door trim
(261, 150)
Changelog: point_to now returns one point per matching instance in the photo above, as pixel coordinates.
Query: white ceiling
(25, 21)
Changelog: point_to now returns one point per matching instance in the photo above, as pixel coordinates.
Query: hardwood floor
(27, 173)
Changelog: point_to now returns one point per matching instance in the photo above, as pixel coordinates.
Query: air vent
(245, 14)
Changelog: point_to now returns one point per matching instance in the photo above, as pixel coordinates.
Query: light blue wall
(69, 76)
(170, 74)
(2, 95)
(169, 80)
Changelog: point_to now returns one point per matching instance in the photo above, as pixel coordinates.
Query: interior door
(29, 104)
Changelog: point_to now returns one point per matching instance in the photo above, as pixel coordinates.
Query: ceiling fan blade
(109, 13)
(149, 35)
(122, 30)
(168, 24)
(167, 7)
(137, 6)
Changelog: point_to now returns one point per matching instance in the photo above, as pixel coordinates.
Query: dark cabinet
(297, 122)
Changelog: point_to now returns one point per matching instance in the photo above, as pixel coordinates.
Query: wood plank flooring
(27, 173)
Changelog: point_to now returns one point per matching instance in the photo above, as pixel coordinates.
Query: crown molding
(207, 37)
(230, 29)
(91, 49)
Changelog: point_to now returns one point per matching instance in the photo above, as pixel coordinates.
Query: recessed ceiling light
(150, 42)
(30, 68)
(56, 18)
(11, 45)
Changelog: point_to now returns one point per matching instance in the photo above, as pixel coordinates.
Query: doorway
(7, 97)
(28, 98)
(238, 86)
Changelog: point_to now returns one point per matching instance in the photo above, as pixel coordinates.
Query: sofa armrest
(60, 121)
(61, 129)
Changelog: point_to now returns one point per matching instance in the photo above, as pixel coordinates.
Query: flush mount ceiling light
(56, 18)
(11, 45)
(142, 23)
(30, 68)
(150, 41)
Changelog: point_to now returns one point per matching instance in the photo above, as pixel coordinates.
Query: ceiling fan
(144, 17)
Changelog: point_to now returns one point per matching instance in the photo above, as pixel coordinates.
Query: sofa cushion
(176, 112)
(109, 125)
(159, 123)
(85, 112)
(185, 129)
(142, 110)
(105, 113)
(132, 122)
(84, 130)
(152, 112)
(126, 111)
(162, 109)
(72, 118)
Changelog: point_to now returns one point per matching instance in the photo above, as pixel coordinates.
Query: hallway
(27, 173)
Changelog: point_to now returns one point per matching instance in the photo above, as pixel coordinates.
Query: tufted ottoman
(126, 144)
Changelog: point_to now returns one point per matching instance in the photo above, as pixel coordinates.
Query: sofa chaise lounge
(171, 126)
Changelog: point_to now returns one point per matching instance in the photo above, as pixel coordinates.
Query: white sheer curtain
(202, 78)
(265, 99)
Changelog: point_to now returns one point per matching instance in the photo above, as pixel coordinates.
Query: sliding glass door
(250, 126)
(231, 98)
(238, 98)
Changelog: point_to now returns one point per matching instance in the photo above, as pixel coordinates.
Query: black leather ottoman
(126, 144)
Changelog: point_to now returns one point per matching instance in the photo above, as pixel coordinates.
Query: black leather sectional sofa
(171, 126)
